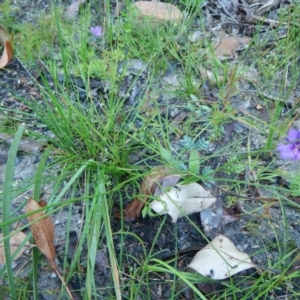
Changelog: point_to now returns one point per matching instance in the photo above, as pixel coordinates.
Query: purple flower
(96, 31)
(291, 148)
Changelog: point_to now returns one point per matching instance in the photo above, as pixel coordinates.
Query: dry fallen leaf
(159, 10)
(42, 230)
(73, 8)
(227, 45)
(43, 233)
(150, 183)
(220, 259)
(15, 241)
(133, 209)
(7, 53)
(183, 199)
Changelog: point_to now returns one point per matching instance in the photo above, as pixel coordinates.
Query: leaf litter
(158, 178)
(42, 229)
(16, 240)
(7, 53)
(220, 259)
(183, 200)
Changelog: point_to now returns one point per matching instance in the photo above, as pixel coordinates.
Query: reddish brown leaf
(133, 209)
(6, 55)
(7, 51)
(42, 231)
(42, 203)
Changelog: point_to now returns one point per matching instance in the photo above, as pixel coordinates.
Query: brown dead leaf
(133, 209)
(7, 53)
(42, 231)
(227, 45)
(15, 241)
(159, 10)
(73, 9)
(150, 182)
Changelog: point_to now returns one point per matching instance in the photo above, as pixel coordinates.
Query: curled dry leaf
(220, 259)
(7, 53)
(159, 178)
(183, 199)
(159, 10)
(15, 241)
(42, 230)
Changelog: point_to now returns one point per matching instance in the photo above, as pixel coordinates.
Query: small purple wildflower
(96, 31)
(291, 148)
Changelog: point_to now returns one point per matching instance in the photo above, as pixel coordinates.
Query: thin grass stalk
(173, 271)
(109, 238)
(7, 192)
(39, 175)
(70, 182)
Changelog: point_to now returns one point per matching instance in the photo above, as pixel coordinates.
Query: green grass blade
(39, 175)
(7, 192)
(110, 244)
(96, 213)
